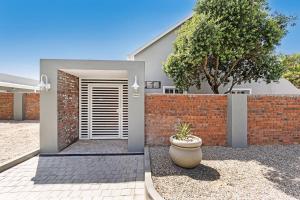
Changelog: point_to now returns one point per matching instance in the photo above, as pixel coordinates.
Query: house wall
(206, 113)
(31, 106)
(273, 120)
(154, 57)
(68, 109)
(6, 106)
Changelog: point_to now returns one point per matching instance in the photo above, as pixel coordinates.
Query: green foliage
(227, 42)
(292, 63)
(183, 131)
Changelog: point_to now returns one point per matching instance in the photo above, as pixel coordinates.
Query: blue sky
(95, 29)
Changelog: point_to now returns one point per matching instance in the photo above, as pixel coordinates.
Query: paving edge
(150, 192)
(89, 154)
(13, 162)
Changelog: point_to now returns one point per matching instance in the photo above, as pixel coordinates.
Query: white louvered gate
(103, 109)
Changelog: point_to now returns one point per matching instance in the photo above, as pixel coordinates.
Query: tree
(227, 42)
(292, 63)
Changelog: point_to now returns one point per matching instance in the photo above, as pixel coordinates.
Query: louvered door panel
(105, 101)
(85, 115)
(125, 112)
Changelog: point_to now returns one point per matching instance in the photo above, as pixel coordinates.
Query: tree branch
(226, 76)
(216, 71)
(232, 84)
(209, 78)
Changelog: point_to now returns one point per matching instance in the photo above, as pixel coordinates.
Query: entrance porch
(93, 102)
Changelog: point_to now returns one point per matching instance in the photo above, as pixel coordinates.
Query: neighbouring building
(19, 98)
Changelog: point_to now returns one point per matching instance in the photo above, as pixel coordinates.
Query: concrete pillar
(18, 106)
(237, 120)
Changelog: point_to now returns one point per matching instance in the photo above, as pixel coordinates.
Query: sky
(96, 29)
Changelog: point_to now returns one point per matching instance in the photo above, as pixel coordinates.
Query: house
(155, 53)
(104, 99)
(19, 98)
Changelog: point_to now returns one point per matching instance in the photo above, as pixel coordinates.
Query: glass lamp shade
(135, 87)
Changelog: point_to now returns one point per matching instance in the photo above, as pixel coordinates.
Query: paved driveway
(75, 177)
(18, 138)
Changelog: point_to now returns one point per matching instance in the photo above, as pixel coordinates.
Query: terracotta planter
(186, 153)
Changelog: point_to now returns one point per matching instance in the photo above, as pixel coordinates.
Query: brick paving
(75, 177)
(18, 138)
(97, 146)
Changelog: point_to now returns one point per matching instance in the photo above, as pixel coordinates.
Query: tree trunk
(215, 89)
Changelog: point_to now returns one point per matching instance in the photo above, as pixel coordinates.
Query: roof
(283, 86)
(17, 82)
(131, 56)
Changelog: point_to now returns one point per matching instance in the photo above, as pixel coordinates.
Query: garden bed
(257, 172)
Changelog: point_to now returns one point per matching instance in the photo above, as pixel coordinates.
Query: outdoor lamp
(44, 85)
(135, 87)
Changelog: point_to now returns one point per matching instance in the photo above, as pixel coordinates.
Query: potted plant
(185, 149)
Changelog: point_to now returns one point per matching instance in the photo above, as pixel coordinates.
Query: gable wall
(154, 56)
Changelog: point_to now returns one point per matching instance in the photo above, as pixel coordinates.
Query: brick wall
(31, 106)
(68, 109)
(206, 113)
(6, 106)
(273, 120)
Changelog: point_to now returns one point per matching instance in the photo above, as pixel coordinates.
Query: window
(241, 91)
(152, 84)
(171, 90)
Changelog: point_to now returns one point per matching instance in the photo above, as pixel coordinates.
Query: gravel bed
(18, 138)
(257, 172)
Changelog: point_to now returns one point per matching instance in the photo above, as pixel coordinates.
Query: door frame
(120, 110)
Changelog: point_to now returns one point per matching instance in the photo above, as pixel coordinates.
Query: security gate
(103, 109)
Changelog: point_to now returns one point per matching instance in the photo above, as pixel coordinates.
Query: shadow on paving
(283, 163)
(89, 169)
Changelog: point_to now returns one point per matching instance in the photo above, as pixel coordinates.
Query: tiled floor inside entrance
(97, 147)
(75, 177)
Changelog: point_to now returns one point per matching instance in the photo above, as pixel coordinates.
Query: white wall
(154, 57)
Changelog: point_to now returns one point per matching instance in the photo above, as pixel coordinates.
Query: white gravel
(257, 172)
(18, 138)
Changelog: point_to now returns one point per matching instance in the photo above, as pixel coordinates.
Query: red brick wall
(68, 109)
(31, 106)
(273, 120)
(6, 106)
(206, 113)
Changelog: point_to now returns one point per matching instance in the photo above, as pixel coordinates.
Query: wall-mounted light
(44, 85)
(135, 87)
